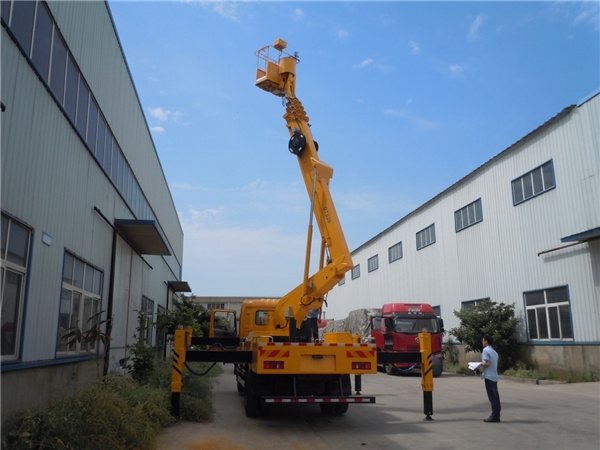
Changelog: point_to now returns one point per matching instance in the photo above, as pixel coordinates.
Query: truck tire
(251, 400)
(389, 369)
(251, 404)
(341, 409)
(438, 367)
(327, 408)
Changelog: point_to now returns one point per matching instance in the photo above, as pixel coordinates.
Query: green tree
(185, 313)
(495, 319)
(142, 354)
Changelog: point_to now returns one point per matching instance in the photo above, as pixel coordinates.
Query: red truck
(398, 328)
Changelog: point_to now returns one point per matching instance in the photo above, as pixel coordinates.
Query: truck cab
(398, 328)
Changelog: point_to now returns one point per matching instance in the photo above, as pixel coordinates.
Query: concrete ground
(544, 416)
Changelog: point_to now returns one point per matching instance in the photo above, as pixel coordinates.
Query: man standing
(489, 366)
(312, 319)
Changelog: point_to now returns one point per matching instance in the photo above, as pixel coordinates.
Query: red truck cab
(398, 328)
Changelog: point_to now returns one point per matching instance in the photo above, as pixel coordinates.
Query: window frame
(528, 181)
(87, 293)
(355, 272)
(373, 263)
(477, 214)
(429, 234)
(468, 304)
(147, 311)
(211, 306)
(395, 252)
(8, 266)
(547, 311)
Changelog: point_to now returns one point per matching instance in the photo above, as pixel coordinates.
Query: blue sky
(404, 98)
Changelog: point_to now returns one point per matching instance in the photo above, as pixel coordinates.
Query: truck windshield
(415, 325)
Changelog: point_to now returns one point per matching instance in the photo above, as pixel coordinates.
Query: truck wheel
(389, 369)
(438, 367)
(251, 404)
(251, 400)
(327, 408)
(341, 408)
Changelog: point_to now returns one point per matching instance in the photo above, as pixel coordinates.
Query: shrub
(116, 413)
(496, 319)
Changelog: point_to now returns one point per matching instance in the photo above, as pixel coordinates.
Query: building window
(342, 281)
(148, 317)
(536, 182)
(471, 304)
(15, 255)
(426, 237)
(395, 252)
(373, 263)
(80, 303)
(467, 216)
(42, 40)
(549, 314)
(355, 272)
(210, 306)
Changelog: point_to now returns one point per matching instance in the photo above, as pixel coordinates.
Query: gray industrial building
(88, 222)
(522, 229)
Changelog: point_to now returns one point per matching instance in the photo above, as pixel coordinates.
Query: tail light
(273, 365)
(361, 366)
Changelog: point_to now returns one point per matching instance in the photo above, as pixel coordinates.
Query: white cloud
(588, 15)
(417, 122)
(255, 185)
(271, 259)
(343, 34)
(456, 69)
(476, 26)
(364, 63)
(415, 48)
(157, 129)
(164, 115)
(185, 186)
(227, 10)
(298, 14)
(205, 216)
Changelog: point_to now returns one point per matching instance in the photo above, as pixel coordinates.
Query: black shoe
(492, 419)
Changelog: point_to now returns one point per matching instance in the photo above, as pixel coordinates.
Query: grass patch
(565, 376)
(520, 370)
(114, 413)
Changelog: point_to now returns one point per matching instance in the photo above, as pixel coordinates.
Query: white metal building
(88, 221)
(522, 229)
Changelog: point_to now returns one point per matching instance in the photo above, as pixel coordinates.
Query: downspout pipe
(111, 290)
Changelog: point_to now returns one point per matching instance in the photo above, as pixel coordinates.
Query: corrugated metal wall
(498, 257)
(102, 62)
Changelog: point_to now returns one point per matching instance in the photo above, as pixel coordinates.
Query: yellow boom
(276, 73)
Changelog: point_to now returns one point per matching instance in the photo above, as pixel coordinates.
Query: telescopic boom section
(277, 75)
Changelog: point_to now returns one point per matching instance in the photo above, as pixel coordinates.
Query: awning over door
(179, 286)
(143, 236)
(584, 236)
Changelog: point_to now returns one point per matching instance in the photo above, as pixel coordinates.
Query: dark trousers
(491, 387)
(313, 323)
